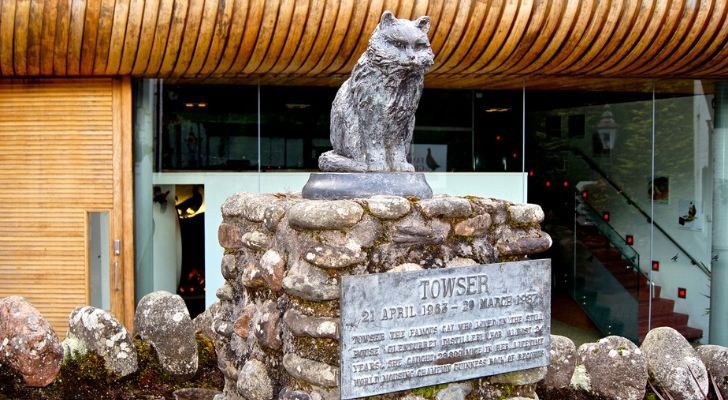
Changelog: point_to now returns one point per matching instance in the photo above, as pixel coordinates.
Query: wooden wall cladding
(478, 43)
(56, 164)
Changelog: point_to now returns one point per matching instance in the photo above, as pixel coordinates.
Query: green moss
(319, 349)
(428, 392)
(316, 308)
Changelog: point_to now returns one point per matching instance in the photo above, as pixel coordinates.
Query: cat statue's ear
(423, 23)
(387, 18)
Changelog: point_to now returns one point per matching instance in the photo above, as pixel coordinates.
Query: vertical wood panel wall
(56, 164)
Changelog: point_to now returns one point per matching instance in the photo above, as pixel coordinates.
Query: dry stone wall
(278, 317)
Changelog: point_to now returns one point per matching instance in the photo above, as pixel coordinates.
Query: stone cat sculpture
(373, 114)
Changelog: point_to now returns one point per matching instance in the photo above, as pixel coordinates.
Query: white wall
(220, 185)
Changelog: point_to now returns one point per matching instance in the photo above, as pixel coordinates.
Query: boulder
(28, 344)
(93, 329)
(674, 365)
(525, 214)
(715, 359)
(254, 382)
(162, 320)
(615, 367)
(563, 361)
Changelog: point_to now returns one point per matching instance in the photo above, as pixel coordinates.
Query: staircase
(637, 286)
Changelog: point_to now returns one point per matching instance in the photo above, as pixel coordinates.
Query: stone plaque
(413, 329)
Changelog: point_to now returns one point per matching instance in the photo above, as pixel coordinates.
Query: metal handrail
(594, 166)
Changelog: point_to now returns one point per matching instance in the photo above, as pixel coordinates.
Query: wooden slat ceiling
(477, 43)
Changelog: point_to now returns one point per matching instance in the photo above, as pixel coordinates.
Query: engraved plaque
(413, 329)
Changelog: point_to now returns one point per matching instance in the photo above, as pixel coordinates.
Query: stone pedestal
(278, 317)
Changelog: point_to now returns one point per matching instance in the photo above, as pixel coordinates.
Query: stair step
(660, 307)
(673, 320)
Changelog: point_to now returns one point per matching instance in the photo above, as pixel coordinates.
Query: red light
(514, 154)
(497, 138)
(605, 215)
(566, 183)
(655, 265)
(584, 195)
(530, 173)
(682, 292)
(548, 183)
(630, 240)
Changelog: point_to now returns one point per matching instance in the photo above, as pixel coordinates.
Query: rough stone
(563, 361)
(267, 330)
(674, 365)
(715, 359)
(162, 319)
(97, 331)
(313, 372)
(448, 207)
(230, 236)
(460, 262)
(229, 267)
(526, 214)
(524, 243)
(254, 382)
(476, 226)
(250, 206)
(287, 394)
(225, 292)
(242, 325)
(252, 276)
(272, 265)
(366, 232)
(203, 322)
(616, 368)
(497, 209)
(334, 256)
(310, 283)
(304, 325)
(319, 214)
(454, 391)
(483, 251)
(195, 394)
(406, 267)
(519, 378)
(388, 207)
(28, 344)
(414, 230)
(256, 240)
(272, 216)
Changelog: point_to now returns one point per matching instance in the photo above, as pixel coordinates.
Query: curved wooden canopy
(477, 43)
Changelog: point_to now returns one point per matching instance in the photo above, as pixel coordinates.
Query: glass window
(209, 127)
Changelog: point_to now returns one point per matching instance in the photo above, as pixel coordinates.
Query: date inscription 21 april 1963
(413, 329)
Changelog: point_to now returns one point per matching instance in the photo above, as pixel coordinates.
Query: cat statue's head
(401, 42)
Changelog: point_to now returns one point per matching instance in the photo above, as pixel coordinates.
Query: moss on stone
(329, 308)
(318, 349)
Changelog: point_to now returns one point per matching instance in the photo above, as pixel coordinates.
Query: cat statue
(373, 114)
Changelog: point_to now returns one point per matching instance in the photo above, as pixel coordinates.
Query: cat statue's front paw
(377, 166)
(403, 167)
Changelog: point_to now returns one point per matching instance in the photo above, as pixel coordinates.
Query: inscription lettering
(438, 326)
(454, 286)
